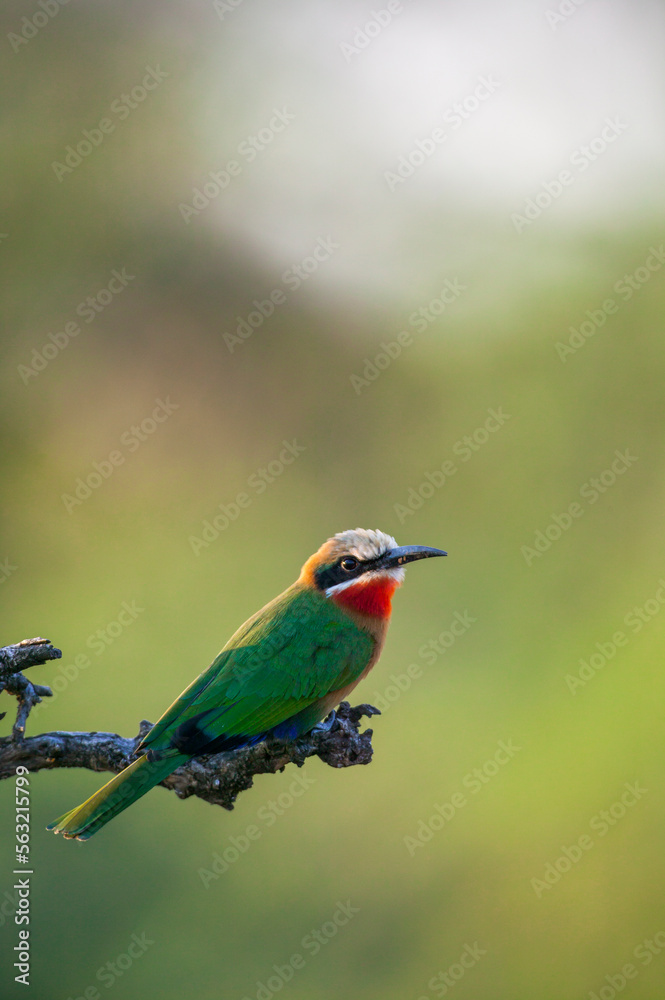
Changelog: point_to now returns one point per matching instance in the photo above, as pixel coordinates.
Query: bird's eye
(349, 564)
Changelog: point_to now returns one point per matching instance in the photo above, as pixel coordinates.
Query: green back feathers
(297, 649)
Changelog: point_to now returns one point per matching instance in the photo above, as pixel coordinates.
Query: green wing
(290, 654)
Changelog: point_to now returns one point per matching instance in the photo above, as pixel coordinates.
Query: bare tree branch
(27, 653)
(13, 659)
(216, 778)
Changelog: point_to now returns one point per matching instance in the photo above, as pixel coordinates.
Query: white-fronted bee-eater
(279, 675)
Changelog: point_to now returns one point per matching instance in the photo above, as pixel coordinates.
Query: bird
(279, 675)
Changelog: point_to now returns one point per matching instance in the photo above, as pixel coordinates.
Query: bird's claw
(327, 724)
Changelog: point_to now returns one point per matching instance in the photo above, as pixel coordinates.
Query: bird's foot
(327, 724)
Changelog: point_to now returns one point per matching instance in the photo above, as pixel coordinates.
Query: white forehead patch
(364, 543)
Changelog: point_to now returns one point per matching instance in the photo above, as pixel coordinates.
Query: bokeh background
(519, 92)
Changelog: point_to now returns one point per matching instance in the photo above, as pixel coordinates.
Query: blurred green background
(352, 107)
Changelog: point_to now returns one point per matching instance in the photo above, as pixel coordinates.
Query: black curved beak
(408, 553)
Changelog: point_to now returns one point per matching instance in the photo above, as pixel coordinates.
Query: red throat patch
(372, 598)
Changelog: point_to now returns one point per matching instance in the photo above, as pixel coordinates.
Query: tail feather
(120, 792)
